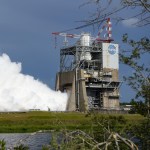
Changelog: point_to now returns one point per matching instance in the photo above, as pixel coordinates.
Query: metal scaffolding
(89, 70)
(97, 80)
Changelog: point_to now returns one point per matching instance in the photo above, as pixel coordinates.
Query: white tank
(85, 39)
(95, 74)
(85, 56)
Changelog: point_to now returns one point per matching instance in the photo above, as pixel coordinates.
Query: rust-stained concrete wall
(71, 104)
(114, 73)
(107, 101)
(83, 105)
(111, 102)
(65, 81)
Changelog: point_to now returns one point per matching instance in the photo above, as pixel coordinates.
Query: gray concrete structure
(66, 82)
(89, 74)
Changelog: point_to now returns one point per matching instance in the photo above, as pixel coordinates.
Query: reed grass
(34, 121)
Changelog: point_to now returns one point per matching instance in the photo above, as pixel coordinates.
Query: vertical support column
(76, 79)
(101, 99)
(77, 89)
(83, 99)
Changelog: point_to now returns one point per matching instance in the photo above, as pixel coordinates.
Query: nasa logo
(111, 49)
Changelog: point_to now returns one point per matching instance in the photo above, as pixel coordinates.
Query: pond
(34, 141)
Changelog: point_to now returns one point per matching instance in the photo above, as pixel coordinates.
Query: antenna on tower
(108, 27)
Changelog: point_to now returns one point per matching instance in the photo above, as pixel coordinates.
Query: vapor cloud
(19, 92)
(130, 22)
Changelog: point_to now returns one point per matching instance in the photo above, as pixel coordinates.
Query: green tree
(138, 107)
(140, 79)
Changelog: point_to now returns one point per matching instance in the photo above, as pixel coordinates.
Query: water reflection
(34, 141)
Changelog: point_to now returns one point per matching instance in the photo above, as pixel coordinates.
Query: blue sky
(25, 34)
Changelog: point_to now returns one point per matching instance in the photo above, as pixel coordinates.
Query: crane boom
(108, 34)
(67, 34)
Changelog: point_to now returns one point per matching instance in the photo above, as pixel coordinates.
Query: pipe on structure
(89, 72)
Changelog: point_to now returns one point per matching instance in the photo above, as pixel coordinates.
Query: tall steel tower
(89, 72)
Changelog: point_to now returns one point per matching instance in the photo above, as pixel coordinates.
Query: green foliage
(102, 135)
(138, 107)
(101, 127)
(44, 147)
(54, 142)
(141, 134)
(2, 144)
(35, 121)
(82, 141)
(21, 147)
(139, 81)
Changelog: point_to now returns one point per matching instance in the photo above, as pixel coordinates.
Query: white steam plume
(19, 92)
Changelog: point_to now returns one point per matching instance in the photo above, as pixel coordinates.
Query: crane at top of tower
(107, 36)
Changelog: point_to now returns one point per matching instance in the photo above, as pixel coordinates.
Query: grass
(34, 121)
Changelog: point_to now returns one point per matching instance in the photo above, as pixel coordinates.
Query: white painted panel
(110, 55)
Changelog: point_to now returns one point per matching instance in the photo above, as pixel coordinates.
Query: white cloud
(130, 22)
